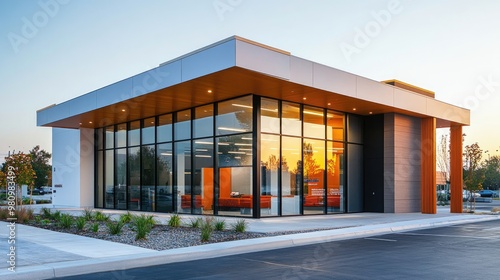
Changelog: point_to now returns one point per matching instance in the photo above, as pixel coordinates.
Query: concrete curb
(94, 265)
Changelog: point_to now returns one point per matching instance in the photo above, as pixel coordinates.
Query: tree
(492, 173)
(40, 163)
(473, 173)
(3, 179)
(21, 166)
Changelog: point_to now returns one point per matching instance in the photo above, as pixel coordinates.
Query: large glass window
(100, 179)
(121, 179)
(270, 163)
(203, 198)
(235, 116)
(164, 128)
(164, 173)
(335, 126)
(182, 126)
(183, 176)
(99, 138)
(291, 175)
(314, 122)
(269, 116)
(204, 121)
(109, 180)
(134, 171)
(335, 177)
(121, 135)
(148, 155)
(134, 134)
(235, 150)
(314, 174)
(291, 123)
(148, 131)
(110, 139)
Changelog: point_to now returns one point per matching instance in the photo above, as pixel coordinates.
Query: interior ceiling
(218, 86)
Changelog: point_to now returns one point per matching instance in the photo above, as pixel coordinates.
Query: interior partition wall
(247, 156)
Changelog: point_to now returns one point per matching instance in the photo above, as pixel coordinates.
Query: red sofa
(317, 201)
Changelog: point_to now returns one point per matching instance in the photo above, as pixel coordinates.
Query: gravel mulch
(163, 237)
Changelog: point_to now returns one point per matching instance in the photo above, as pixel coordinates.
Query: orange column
(456, 179)
(428, 168)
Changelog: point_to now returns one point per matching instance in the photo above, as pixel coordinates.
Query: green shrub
(240, 225)
(45, 222)
(88, 214)
(175, 221)
(46, 213)
(24, 214)
(56, 216)
(220, 225)
(27, 201)
(196, 222)
(95, 227)
(101, 217)
(206, 229)
(80, 223)
(4, 213)
(126, 218)
(142, 225)
(38, 219)
(66, 221)
(115, 227)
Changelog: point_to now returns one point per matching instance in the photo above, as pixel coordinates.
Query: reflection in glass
(203, 176)
(134, 134)
(148, 131)
(99, 138)
(110, 133)
(121, 135)
(109, 180)
(314, 173)
(314, 122)
(100, 179)
(165, 178)
(121, 179)
(235, 116)
(235, 191)
(148, 178)
(269, 117)
(235, 150)
(335, 177)
(335, 126)
(183, 186)
(291, 123)
(269, 154)
(204, 121)
(291, 174)
(164, 128)
(182, 126)
(134, 171)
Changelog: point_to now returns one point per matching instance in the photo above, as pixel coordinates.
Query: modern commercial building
(238, 128)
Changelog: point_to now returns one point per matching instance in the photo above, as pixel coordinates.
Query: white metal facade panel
(330, 79)
(262, 60)
(377, 92)
(410, 101)
(301, 71)
(207, 61)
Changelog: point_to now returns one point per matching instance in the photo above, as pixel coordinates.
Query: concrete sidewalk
(43, 254)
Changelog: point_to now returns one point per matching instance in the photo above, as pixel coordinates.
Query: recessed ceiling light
(370, 113)
(354, 109)
(123, 110)
(80, 123)
(209, 91)
(329, 104)
(304, 98)
(90, 122)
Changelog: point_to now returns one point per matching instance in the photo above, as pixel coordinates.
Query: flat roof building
(238, 128)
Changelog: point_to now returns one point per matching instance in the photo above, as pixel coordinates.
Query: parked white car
(467, 195)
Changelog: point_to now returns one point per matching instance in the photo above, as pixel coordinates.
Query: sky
(55, 50)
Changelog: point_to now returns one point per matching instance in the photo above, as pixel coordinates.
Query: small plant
(24, 214)
(220, 225)
(142, 225)
(240, 225)
(115, 227)
(126, 218)
(101, 217)
(45, 222)
(206, 229)
(46, 213)
(88, 214)
(80, 222)
(66, 221)
(196, 223)
(175, 221)
(56, 216)
(95, 227)
(495, 209)
(38, 219)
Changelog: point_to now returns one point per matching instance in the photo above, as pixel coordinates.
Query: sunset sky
(55, 50)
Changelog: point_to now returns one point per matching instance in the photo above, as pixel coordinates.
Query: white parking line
(447, 235)
(381, 239)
